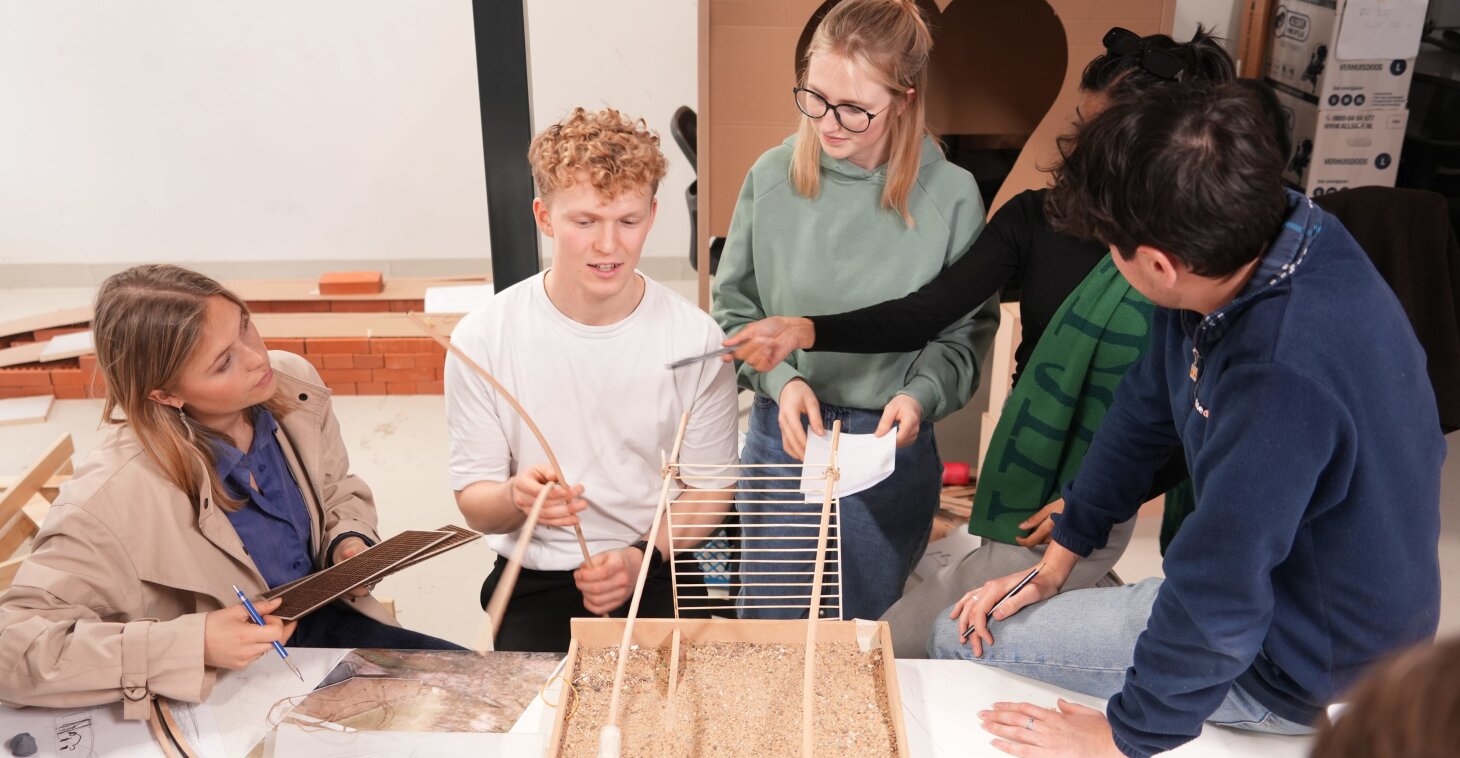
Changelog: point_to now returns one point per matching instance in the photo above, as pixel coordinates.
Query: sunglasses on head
(1122, 42)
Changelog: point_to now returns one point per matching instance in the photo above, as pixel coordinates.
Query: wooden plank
(69, 346)
(65, 317)
(15, 532)
(396, 288)
(1256, 36)
(27, 353)
(25, 410)
(49, 490)
(296, 325)
(30, 482)
(7, 571)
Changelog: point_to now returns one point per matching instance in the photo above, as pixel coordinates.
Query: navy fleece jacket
(1315, 449)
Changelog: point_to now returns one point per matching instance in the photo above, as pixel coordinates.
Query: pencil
(1027, 579)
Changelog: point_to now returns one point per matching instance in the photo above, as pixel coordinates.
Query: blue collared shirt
(274, 521)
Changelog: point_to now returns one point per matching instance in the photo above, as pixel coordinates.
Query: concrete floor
(398, 444)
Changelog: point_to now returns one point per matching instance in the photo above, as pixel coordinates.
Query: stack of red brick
(68, 379)
(375, 366)
(349, 366)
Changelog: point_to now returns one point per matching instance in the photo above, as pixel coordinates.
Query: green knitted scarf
(1062, 396)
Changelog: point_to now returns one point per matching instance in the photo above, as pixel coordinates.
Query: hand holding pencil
(999, 599)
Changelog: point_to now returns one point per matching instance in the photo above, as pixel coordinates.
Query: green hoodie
(788, 255)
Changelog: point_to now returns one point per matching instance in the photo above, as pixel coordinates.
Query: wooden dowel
(516, 406)
(623, 647)
(498, 604)
(808, 687)
(673, 685)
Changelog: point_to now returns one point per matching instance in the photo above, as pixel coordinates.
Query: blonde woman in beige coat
(223, 466)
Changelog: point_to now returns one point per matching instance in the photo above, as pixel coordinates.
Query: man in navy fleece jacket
(1285, 366)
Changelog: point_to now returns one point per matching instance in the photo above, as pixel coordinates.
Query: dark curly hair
(1193, 171)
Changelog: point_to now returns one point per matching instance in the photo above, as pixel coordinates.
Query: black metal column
(502, 87)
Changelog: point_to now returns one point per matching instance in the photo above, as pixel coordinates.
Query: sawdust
(734, 699)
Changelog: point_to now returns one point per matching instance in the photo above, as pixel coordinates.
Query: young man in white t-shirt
(584, 347)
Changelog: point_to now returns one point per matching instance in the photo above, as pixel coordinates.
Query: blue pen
(259, 620)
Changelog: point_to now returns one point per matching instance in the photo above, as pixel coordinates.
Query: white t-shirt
(604, 399)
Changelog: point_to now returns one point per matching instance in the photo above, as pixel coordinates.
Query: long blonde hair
(890, 40)
(147, 323)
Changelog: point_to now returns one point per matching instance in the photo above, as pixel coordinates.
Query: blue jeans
(1084, 640)
(882, 531)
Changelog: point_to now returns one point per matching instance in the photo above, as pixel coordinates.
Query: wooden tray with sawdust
(724, 687)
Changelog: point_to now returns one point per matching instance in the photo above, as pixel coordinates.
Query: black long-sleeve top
(1017, 246)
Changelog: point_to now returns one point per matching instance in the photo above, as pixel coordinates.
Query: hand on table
(1071, 730)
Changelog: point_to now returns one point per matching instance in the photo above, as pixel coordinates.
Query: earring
(183, 417)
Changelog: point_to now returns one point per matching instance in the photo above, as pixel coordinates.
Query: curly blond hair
(615, 154)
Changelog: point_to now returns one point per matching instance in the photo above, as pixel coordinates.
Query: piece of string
(572, 694)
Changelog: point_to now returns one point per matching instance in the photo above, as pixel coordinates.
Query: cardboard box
(1339, 148)
(1356, 54)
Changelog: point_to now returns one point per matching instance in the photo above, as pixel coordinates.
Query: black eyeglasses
(1161, 63)
(853, 118)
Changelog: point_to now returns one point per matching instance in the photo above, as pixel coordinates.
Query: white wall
(639, 56)
(264, 130)
(1225, 16)
(323, 130)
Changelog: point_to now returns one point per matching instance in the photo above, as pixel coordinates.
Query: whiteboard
(143, 130)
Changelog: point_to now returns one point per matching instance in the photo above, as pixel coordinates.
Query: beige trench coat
(109, 606)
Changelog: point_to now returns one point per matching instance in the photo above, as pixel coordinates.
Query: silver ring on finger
(1029, 725)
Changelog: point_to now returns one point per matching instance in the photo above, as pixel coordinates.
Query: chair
(1431, 158)
(684, 127)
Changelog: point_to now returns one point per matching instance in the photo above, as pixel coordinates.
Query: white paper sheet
(241, 700)
(295, 741)
(1384, 30)
(199, 728)
(862, 460)
(98, 731)
(463, 299)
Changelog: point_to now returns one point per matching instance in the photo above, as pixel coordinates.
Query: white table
(941, 701)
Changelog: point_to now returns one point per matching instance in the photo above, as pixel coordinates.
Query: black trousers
(543, 602)
(337, 625)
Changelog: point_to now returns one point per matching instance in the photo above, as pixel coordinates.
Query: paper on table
(862, 460)
(241, 700)
(96, 731)
(462, 299)
(1385, 30)
(293, 740)
(199, 728)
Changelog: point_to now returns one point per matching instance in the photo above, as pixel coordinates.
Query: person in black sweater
(1017, 246)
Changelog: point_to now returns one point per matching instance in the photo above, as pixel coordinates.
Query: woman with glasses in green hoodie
(859, 206)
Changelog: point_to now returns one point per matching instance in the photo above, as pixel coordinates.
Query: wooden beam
(15, 532)
(363, 325)
(7, 571)
(808, 685)
(30, 482)
(65, 317)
